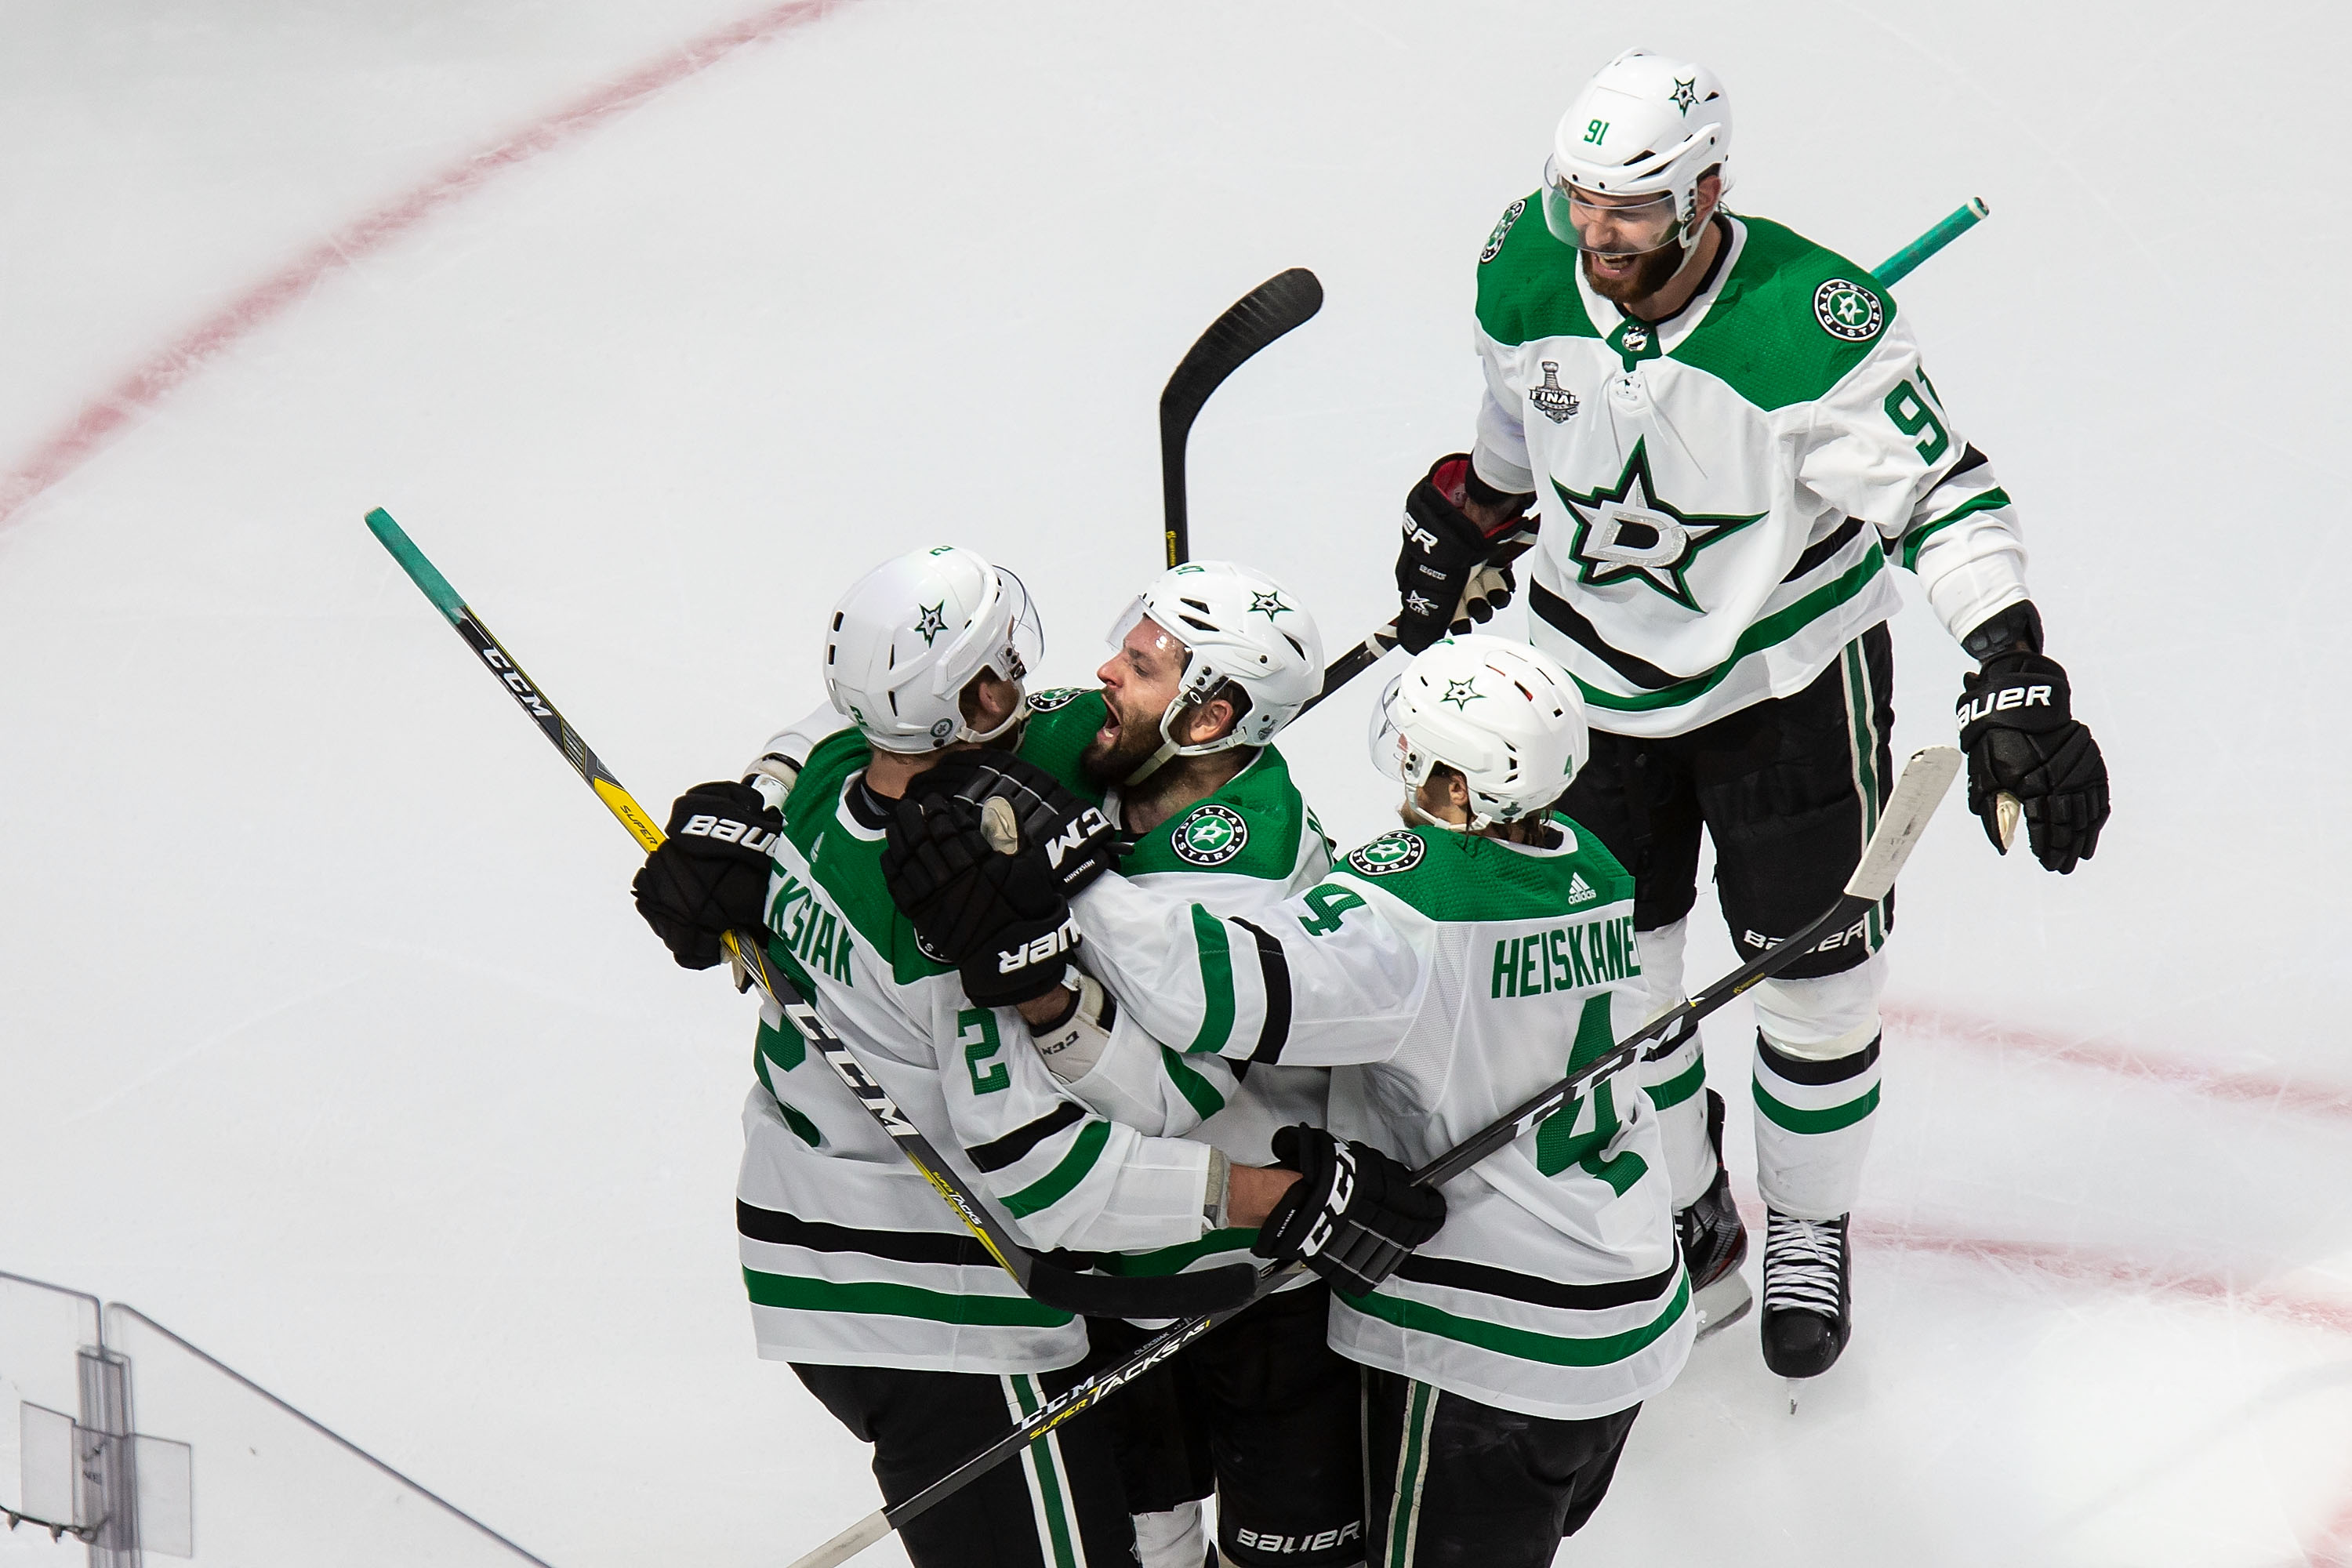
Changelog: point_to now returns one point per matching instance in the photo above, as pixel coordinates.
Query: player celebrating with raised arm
(1207, 665)
(1444, 973)
(1725, 436)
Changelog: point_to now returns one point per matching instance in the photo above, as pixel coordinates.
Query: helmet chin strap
(1170, 748)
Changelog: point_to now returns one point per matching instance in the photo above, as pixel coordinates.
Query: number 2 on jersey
(976, 1032)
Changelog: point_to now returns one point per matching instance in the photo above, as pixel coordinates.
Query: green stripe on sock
(1049, 1482)
(1411, 1462)
(884, 1299)
(1835, 1118)
(1056, 1185)
(1216, 982)
(1680, 1087)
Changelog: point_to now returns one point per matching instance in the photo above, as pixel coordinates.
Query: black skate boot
(1715, 1244)
(1808, 1294)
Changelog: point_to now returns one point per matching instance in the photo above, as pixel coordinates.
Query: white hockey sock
(1174, 1538)
(1676, 1080)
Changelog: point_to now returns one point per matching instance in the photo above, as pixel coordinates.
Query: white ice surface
(327, 1036)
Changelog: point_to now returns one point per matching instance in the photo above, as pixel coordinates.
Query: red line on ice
(73, 444)
(2112, 1057)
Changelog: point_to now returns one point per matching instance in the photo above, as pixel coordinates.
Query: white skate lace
(1803, 1259)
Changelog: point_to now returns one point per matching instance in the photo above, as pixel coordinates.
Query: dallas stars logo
(1686, 93)
(1270, 604)
(1629, 534)
(1460, 692)
(933, 623)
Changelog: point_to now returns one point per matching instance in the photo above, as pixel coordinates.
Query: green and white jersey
(1238, 852)
(849, 1256)
(1445, 979)
(1721, 494)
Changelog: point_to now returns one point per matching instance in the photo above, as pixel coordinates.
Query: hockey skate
(1715, 1243)
(1808, 1294)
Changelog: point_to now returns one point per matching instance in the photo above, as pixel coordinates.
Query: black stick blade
(1285, 301)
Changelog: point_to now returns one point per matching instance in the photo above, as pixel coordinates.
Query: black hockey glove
(710, 875)
(2018, 726)
(1037, 816)
(1002, 920)
(1443, 579)
(1353, 1214)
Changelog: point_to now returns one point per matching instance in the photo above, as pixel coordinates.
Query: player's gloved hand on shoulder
(2018, 727)
(1002, 920)
(1037, 816)
(1353, 1214)
(1447, 578)
(710, 875)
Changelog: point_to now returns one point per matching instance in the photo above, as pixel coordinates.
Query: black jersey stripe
(1562, 615)
(1487, 1280)
(1815, 1072)
(1815, 555)
(1275, 966)
(900, 1246)
(1009, 1149)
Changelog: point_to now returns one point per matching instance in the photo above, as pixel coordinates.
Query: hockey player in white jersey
(1207, 665)
(1444, 973)
(1725, 437)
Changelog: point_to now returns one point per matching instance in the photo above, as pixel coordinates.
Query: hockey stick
(1064, 1289)
(1375, 647)
(1925, 778)
(1283, 301)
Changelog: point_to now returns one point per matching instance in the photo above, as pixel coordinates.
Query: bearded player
(1722, 439)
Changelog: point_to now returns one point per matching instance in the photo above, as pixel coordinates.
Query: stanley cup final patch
(1211, 836)
(1846, 310)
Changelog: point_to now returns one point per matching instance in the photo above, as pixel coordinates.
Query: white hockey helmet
(1646, 125)
(1505, 716)
(910, 634)
(1238, 624)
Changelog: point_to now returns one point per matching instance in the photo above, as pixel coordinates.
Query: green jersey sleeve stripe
(1834, 1118)
(1056, 1185)
(1553, 1349)
(1779, 627)
(1197, 1090)
(1216, 983)
(876, 1298)
(1918, 536)
(1176, 1259)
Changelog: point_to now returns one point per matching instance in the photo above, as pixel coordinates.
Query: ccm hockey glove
(710, 875)
(2018, 726)
(1353, 1214)
(1001, 919)
(1024, 810)
(1443, 579)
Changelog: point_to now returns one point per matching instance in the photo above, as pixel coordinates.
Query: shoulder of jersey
(818, 783)
(1792, 320)
(1452, 876)
(1249, 829)
(1062, 719)
(1526, 280)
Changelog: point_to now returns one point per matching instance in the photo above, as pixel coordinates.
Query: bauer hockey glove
(2018, 727)
(1353, 1214)
(710, 875)
(1444, 580)
(1001, 919)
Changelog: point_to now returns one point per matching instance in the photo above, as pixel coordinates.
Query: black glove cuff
(2014, 692)
(2003, 630)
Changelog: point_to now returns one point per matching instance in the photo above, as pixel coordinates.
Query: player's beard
(1122, 745)
(1651, 270)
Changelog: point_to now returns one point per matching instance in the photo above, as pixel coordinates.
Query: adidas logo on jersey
(1579, 889)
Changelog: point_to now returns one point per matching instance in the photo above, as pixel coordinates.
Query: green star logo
(1270, 604)
(934, 622)
(1686, 93)
(1628, 534)
(1460, 693)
